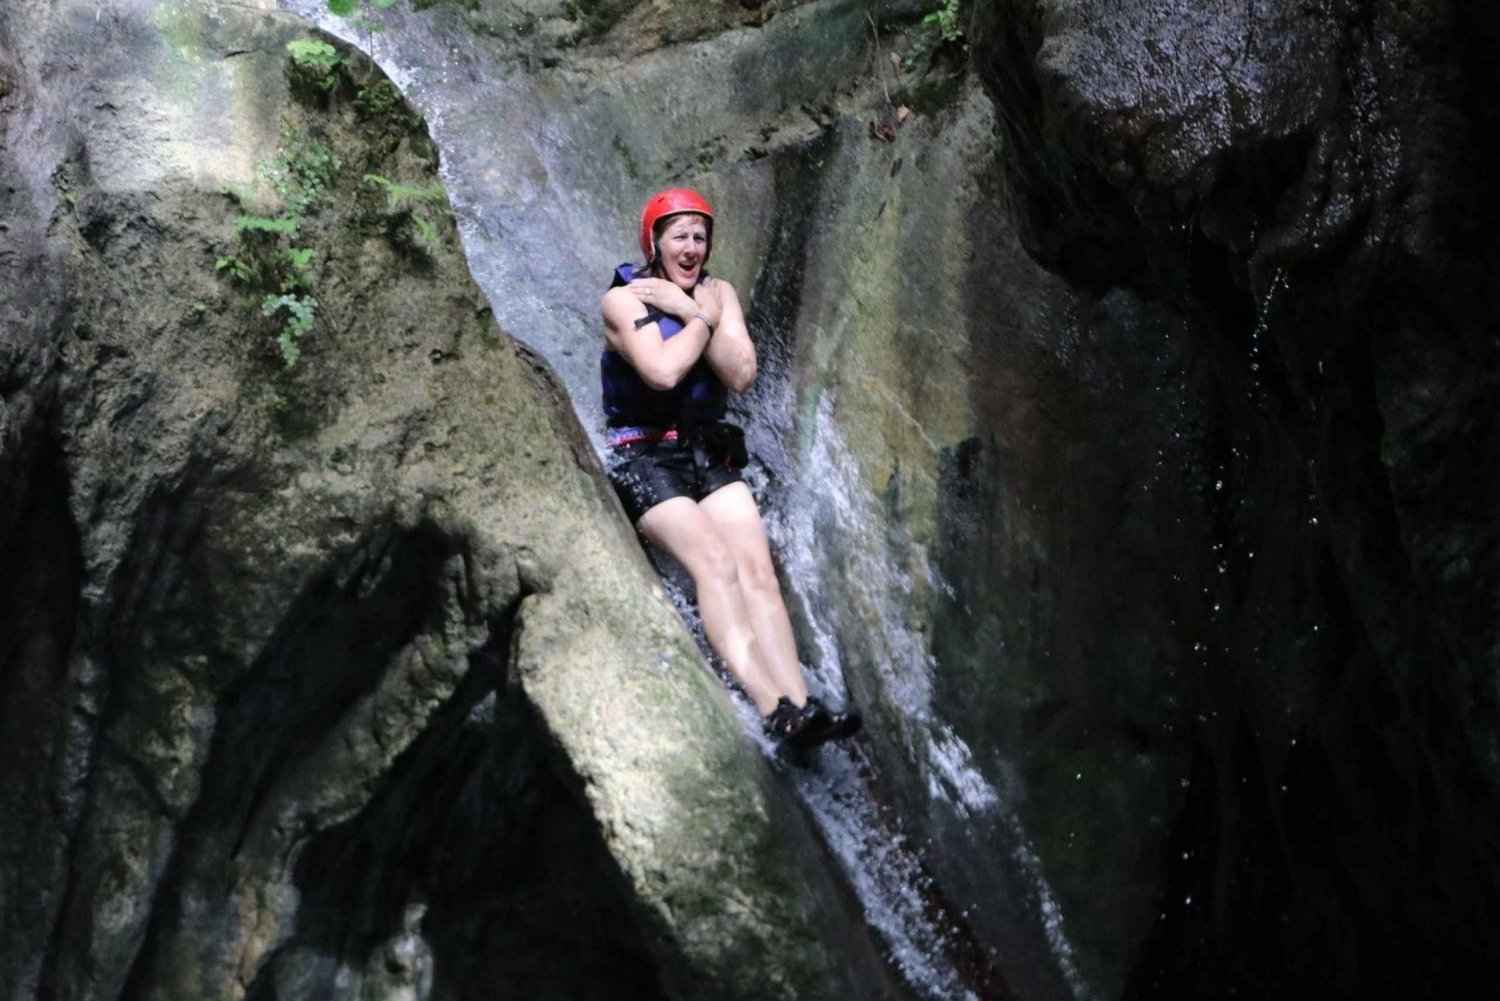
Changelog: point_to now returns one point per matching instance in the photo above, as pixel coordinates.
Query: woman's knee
(758, 575)
(715, 562)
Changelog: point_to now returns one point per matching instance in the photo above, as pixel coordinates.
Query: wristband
(706, 322)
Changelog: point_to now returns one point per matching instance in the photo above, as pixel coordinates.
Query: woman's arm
(661, 362)
(731, 353)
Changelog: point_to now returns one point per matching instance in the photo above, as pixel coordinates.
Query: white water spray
(531, 166)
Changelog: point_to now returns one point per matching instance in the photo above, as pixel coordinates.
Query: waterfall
(551, 199)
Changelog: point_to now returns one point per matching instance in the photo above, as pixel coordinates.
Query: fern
(299, 258)
(265, 224)
(397, 195)
(239, 269)
(410, 201)
(302, 174)
(294, 265)
(946, 20)
(348, 8)
(427, 233)
(299, 312)
(378, 98)
(315, 63)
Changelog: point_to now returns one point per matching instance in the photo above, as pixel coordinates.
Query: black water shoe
(790, 724)
(830, 724)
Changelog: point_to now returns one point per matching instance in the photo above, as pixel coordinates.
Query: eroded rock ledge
(344, 678)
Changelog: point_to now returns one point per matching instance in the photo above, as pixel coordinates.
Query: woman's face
(683, 245)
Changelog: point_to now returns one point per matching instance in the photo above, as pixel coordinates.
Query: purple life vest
(699, 398)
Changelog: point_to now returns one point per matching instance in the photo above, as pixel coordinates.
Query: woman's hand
(708, 299)
(661, 294)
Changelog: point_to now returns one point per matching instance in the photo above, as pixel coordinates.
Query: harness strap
(631, 435)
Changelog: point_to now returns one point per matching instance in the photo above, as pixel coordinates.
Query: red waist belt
(629, 435)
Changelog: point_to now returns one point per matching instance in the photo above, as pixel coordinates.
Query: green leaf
(300, 312)
(399, 194)
(301, 257)
(343, 8)
(382, 4)
(262, 224)
(425, 228)
(312, 52)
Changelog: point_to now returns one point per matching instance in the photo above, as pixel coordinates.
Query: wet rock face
(320, 680)
(1298, 190)
(1093, 451)
(1132, 471)
(851, 162)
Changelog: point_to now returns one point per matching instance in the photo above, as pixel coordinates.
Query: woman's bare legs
(732, 511)
(685, 532)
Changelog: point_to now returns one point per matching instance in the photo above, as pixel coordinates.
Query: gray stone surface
(876, 268)
(1126, 412)
(1138, 452)
(344, 679)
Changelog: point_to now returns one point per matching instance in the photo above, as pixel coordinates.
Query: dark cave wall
(1285, 209)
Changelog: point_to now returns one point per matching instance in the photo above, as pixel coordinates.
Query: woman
(675, 344)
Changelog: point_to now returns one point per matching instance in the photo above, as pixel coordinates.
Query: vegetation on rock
(414, 202)
(268, 261)
(348, 8)
(292, 656)
(315, 63)
(945, 19)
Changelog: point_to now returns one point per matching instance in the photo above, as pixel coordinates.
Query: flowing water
(518, 188)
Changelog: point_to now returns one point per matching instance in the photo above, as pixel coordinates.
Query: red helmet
(673, 201)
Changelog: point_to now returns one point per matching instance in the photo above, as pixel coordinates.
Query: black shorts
(645, 473)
